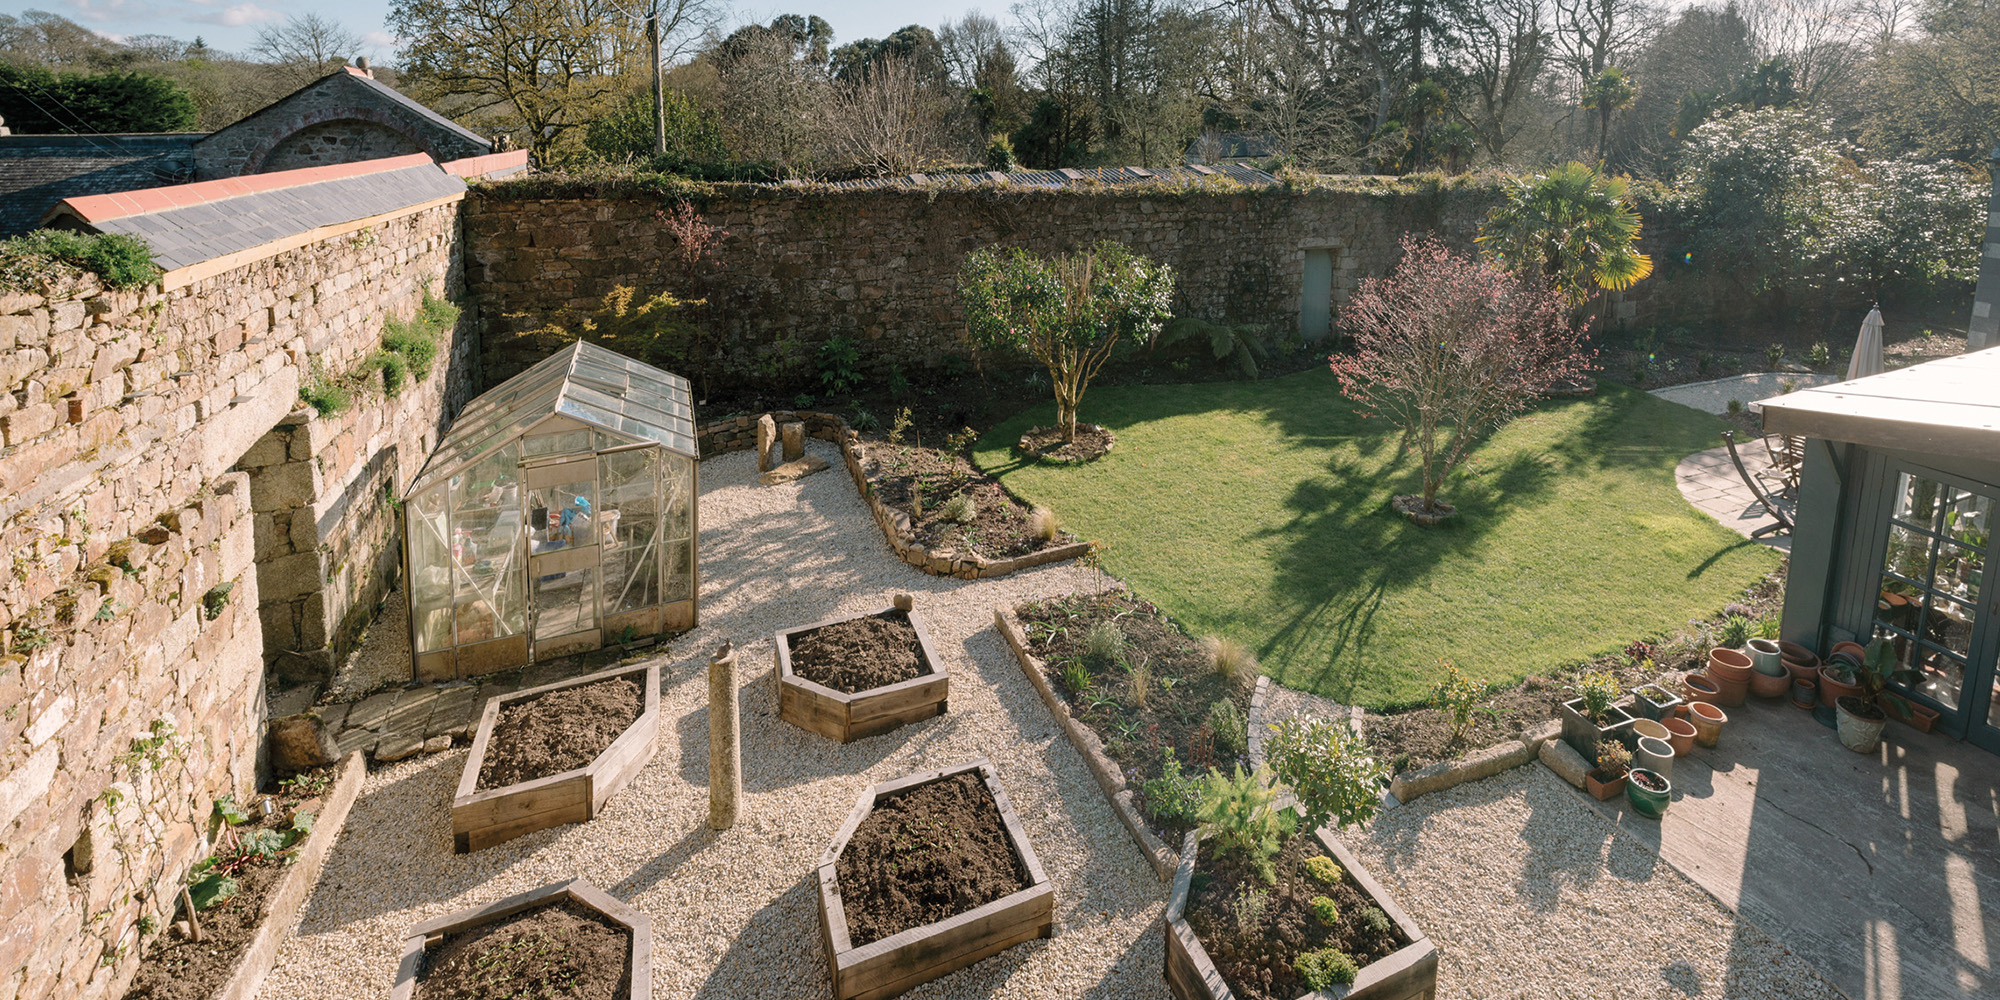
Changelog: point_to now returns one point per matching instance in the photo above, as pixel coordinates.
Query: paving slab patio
(1883, 870)
(1709, 483)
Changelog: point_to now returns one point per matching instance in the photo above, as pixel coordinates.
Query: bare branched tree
(1507, 45)
(306, 47)
(893, 120)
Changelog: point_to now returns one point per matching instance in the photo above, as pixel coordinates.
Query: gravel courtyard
(1526, 890)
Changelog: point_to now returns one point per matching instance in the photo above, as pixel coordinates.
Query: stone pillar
(904, 602)
(1984, 329)
(725, 743)
(793, 434)
(767, 439)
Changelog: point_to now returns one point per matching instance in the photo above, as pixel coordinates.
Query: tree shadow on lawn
(1345, 552)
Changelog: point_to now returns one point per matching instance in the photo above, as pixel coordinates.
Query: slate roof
(37, 171)
(1066, 177)
(357, 77)
(191, 223)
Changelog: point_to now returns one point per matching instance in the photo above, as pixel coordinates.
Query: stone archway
(318, 138)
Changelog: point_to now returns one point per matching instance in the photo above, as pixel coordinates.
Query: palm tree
(1605, 93)
(1574, 227)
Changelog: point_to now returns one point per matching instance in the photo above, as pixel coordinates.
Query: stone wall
(339, 118)
(133, 588)
(881, 266)
(341, 141)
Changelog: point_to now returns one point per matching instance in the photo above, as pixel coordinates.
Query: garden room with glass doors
(556, 516)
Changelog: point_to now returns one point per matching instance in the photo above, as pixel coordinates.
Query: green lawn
(1259, 510)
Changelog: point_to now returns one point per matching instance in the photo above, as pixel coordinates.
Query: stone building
(345, 116)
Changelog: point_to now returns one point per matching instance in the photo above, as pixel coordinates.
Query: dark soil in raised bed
(559, 731)
(1182, 692)
(1046, 443)
(562, 951)
(925, 855)
(1417, 738)
(177, 968)
(859, 654)
(921, 482)
(1254, 945)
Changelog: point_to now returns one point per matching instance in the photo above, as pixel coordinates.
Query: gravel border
(1530, 893)
(734, 912)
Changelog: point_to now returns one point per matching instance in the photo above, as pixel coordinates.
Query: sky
(232, 25)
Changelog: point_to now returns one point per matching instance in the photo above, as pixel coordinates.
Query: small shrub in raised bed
(566, 941)
(850, 678)
(555, 754)
(952, 505)
(1167, 706)
(1269, 907)
(247, 895)
(931, 872)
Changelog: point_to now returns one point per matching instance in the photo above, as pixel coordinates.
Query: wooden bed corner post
(725, 743)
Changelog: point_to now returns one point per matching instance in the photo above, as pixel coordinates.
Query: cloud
(237, 16)
(381, 40)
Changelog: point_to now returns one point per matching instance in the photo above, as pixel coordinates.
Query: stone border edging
(1503, 756)
(281, 909)
(1109, 778)
(740, 434)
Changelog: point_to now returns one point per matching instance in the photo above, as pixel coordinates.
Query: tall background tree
(306, 47)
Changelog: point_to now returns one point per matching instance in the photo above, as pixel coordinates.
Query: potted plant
(1861, 720)
(1649, 792)
(1651, 701)
(1613, 763)
(1590, 717)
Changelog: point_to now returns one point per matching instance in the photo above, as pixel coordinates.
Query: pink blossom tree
(1450, 347)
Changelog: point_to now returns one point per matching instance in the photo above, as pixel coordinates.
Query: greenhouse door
(561, 499)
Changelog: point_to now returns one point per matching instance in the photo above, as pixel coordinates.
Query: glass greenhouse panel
(556, 515)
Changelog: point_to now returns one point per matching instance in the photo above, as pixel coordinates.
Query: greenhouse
(557, 515)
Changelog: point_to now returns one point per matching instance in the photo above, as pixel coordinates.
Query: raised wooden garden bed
(425, 938)
(917, 955)
(278, 912)
(482, 817)
(1409, 973)
(848, 716)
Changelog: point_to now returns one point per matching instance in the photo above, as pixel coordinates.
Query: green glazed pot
(1648, 803)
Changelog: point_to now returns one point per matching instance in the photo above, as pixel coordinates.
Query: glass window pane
(1933, 569)
(632, 579)
(430, 571)
(486, 531)
(631, 497)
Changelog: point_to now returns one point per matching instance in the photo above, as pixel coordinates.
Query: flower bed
(951, 505)
(1164, 712)
(568, 939)
(851, 678)
(242, 932)
(1258, 946)
(931, 872)
(554, 754)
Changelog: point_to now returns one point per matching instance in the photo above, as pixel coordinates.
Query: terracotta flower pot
(1707, 720)
(1799, 671)
(1729, 691)
(1602, 789)
(1852, 647)
(1798, 654)
(1764, 685)
(1805, 692)
(1699, 689)
(1832, 689)
(1728, 664)
(1680, 736)
(1765, 656)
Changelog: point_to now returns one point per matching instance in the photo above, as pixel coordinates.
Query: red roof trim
(103, 207)
(480, 166)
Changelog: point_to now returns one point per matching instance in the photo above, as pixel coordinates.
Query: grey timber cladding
(184, 236)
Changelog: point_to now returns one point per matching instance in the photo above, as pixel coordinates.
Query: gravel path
(734, 915)
(1529, 893)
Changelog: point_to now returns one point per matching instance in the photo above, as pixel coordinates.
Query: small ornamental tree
(1450, 347)
(1329, 766)
(1069, 312)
